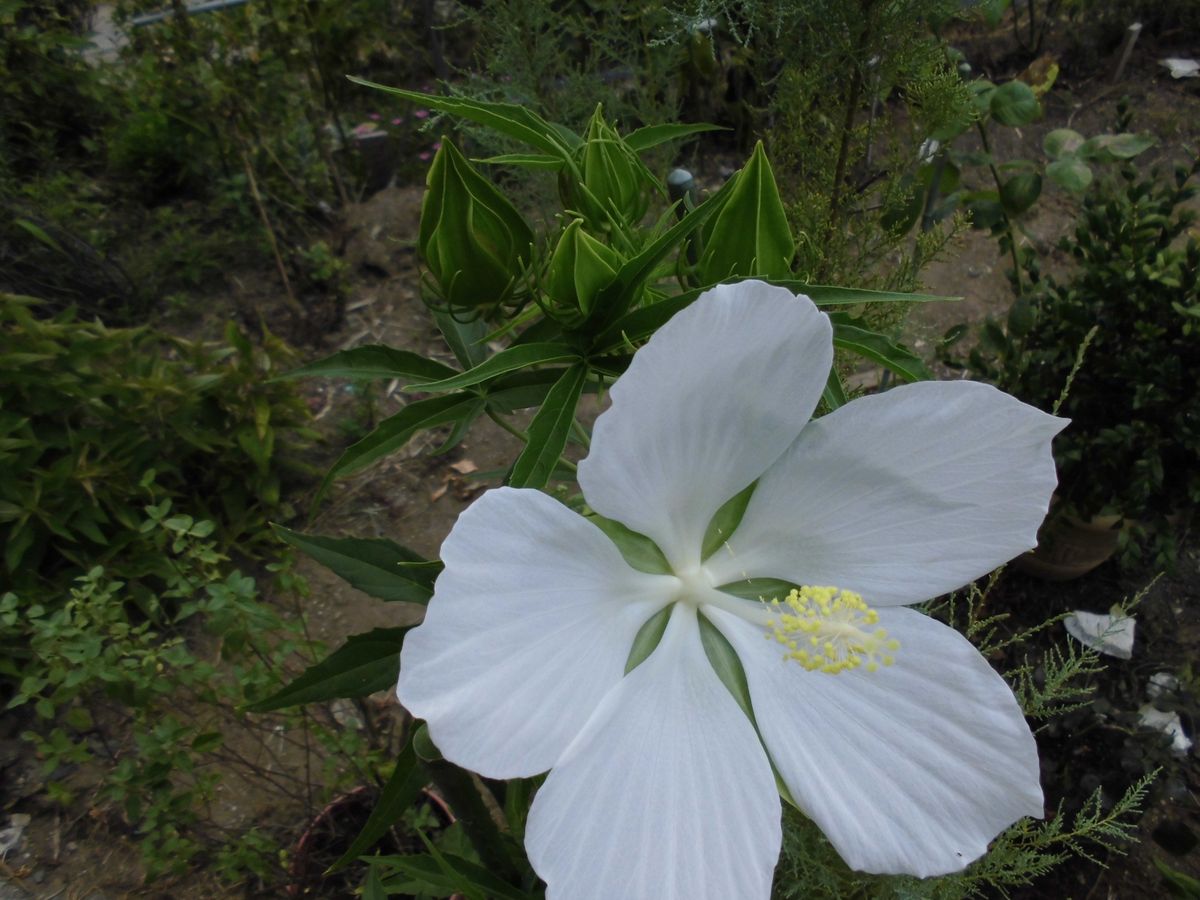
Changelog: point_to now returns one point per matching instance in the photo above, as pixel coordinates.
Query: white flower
(660, 786)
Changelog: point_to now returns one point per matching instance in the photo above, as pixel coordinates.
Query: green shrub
(1132, 298)
(92, 416)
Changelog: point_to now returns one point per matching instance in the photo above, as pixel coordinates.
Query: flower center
(695, 585)
(830, 630)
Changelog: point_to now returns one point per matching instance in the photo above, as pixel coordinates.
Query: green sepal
(613, 182)
(639, 551)
(580, 268)
(750, 236)
(726, 520)
(474, 241)
(759, 588)
(648, 637)
(725, 663)
(615, 300)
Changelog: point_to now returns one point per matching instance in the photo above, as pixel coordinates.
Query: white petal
(913, 768)
(530, 625)
(665, 795)
(901, 496)
(706, 406)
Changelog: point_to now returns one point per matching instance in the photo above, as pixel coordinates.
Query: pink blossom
(422, 114)
(374, 117)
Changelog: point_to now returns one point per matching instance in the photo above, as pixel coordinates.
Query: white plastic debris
(1161, 683)
(1181, 68)
(1111, 634)
(1169, 724)
(10, 835)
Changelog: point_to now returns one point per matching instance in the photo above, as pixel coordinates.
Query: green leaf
(373, 361)
(1062, 142)
(466, 340)
(521, 390)
(616, 299)
(878, 348)
(518, 122)
(548, 431)
(425, 873)
(375, 566)
(726, 520)
(207, 741)
(40, 234)
(524, 160)
(639, 551)
(1127, 146)
(366, 663)
(648, 637)
(834, 394)
(1071, 174)
(1020, 192)
(635, 326)
(1111, 147)
(725, 663)
(401, 792)
(395, 431)
(373, 887)
(1181, 884)
(1014, 103)
(520, 356)
(829, 295)
(652, 135)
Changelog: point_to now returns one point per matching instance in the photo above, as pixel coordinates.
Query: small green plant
(121, 685)
(1133, 448)
(1004, 206)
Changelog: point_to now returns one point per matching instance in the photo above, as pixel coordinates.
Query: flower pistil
(830, 630)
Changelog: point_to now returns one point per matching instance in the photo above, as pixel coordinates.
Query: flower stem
(1012, 237)
(508, 426)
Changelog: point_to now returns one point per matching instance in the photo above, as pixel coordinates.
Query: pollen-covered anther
(830, 630)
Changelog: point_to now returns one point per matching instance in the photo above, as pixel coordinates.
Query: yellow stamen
(837, 624)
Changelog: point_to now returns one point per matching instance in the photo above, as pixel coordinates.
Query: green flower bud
(580, 269)
(473, 240)
(614, 180)
(749, 236)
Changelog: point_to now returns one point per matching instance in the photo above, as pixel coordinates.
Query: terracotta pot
(1068, 547)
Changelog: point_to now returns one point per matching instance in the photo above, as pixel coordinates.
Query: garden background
(195, 200)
